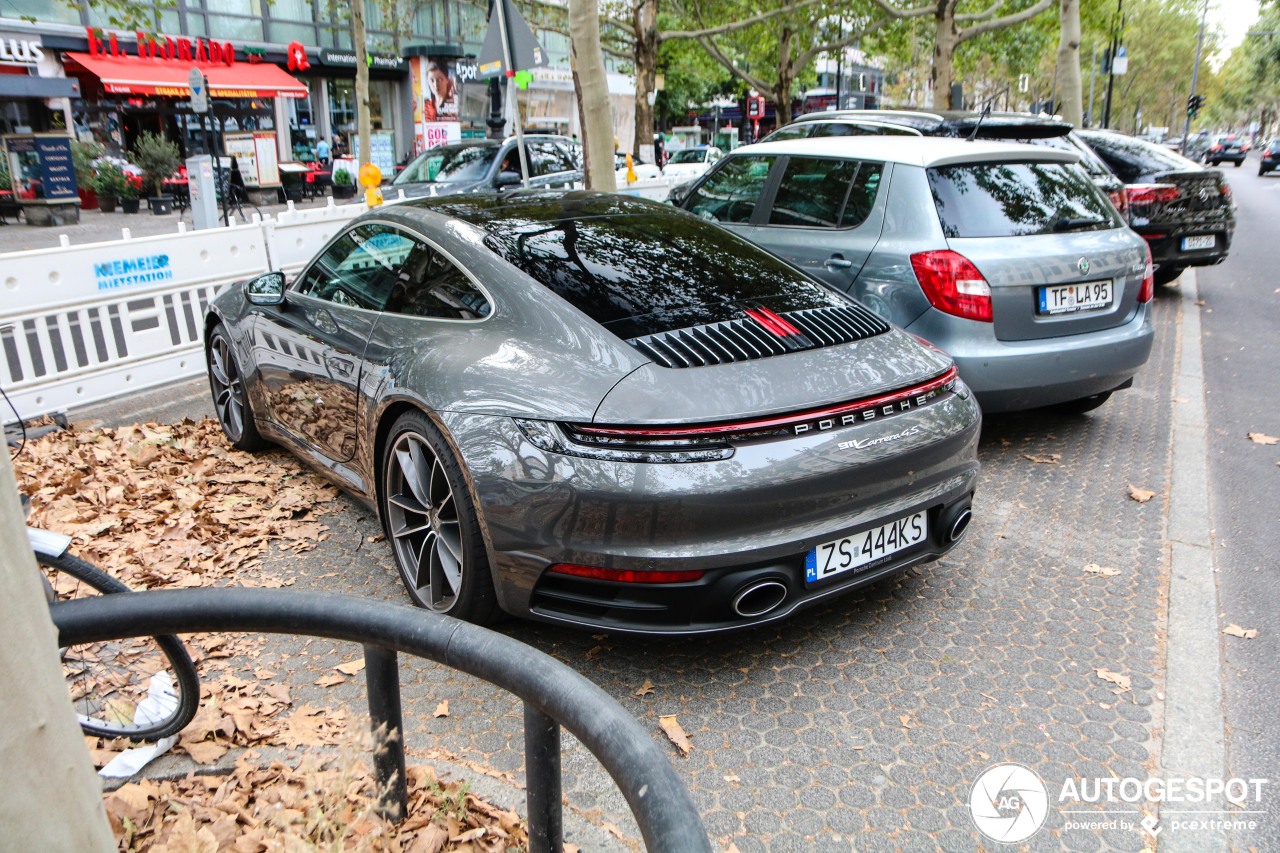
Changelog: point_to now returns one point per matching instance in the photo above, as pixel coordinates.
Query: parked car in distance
(803, 129)
(485, 165)
(691, 162)
(1048, 131)
(1270, 154)
(600, 411)
(1182, 209)
(1230, 147)
(1004, 255)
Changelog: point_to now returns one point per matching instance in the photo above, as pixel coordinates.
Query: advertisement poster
(41, 167)
(241, 146)
(437, 133)
(382, 150)
(268, 160)
(441, 91)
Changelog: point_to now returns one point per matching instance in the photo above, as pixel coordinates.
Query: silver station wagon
(1006, 256)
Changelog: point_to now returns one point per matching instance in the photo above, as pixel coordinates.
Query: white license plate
(852, 552)
(1206, 241)
(1069, 298)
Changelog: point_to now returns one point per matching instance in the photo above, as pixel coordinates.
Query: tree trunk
(1069, 85)
(360, 40)
(786, 77)
(645, 23)
(50, 798)
(592, 89)
(944, 54)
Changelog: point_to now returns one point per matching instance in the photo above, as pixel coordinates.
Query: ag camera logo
(1009, 803)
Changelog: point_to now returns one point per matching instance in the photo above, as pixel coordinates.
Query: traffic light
(1194, 103)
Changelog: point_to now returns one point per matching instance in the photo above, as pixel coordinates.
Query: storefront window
(285, 33)
(292, 10)
(342, 110)
(234, 7)
(227, 27)
(40, 10)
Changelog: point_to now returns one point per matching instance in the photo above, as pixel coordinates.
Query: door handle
(835, 262)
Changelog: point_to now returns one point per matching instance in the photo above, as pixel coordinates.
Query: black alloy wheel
(430, 521)
(229, 399)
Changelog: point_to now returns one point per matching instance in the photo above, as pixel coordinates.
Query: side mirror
(679, 193)
(508, 179)
(266, 289)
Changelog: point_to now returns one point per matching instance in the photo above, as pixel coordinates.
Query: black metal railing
(553, 694)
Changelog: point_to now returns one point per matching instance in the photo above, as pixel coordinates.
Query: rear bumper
(1011, 376)
(743, 521)
(1226, 156)
(1166, 246)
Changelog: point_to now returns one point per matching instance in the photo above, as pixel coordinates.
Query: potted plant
(108, 182)
(131, 194)
(82, 156)
(344, 184)
(158, 158)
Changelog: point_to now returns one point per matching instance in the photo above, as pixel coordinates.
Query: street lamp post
(1111, 65)
(1195, 76)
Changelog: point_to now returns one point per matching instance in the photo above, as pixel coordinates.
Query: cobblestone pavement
(864, 724)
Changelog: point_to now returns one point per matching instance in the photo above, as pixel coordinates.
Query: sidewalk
(96, 226)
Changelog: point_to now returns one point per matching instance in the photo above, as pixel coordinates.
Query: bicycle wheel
(143, 688)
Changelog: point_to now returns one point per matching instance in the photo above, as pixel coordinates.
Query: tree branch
(808, 56)
(1000, 23)
(984, 14)
(736, 25)
(752, 81)
(902, 14)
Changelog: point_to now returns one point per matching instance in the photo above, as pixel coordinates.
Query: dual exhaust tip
(761, 597)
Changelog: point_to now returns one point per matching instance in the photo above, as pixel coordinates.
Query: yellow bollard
(631, 171)
(371, 179)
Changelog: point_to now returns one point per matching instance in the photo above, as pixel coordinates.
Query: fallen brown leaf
(1235, 630)
(907, 722)
(614, 831)
(1263, 438)
(646, 688)
(675, 733)
(205, 752)
(330, 680)
(442, 710)
(1122, 682)
(351, 667)
(1043, 458)
(1104, 571)
(1140, 495)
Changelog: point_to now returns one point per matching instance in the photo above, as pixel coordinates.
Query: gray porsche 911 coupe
(600, 411)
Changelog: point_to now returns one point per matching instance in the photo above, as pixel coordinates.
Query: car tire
(1239, 163)
(230, 400)
(1261, 172)
(1167, 273)
(1084, 404)
(431, 523)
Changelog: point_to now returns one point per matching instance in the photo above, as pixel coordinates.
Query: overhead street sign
(526, 52)
(199, 91)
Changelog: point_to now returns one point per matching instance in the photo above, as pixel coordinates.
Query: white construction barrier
(81, 324)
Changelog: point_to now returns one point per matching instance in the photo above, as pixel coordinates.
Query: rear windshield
(642, 273)
(1132, 159)
(689, 155)
(1016, 199)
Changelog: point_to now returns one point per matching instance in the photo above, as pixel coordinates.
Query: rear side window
(1131, 158)
(431, 286)
(821, 192)
(360, 268)
(1016, 199)
(731, 194)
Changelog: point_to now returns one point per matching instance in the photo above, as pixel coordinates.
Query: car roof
(956, 119)
(926, 151)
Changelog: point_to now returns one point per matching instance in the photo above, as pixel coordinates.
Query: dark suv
(1183, 209)
(1011, 127)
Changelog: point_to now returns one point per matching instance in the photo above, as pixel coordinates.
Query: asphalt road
(1239, 320)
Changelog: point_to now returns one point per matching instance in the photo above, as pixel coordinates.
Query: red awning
(134, 75)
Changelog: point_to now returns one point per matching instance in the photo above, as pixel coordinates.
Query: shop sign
(46, 159)
(16, 49)
(467, 70)
(347, 59)
(181, 49)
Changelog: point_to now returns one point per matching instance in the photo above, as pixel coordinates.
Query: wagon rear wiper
(1066, 223)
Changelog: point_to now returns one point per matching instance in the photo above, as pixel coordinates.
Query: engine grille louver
(746, 339)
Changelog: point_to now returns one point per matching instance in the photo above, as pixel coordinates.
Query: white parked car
(644, 171)
(692, 162)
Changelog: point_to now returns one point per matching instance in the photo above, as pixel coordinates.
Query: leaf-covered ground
(174, 506)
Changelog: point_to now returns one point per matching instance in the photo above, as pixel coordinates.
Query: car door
(310, 348)
(825, 216)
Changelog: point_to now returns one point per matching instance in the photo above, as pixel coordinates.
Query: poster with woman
(441, 97)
